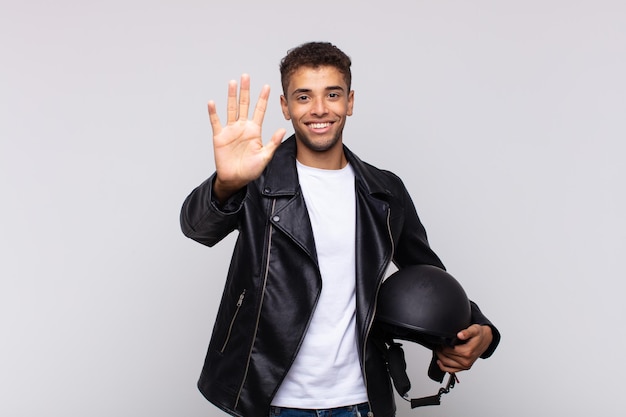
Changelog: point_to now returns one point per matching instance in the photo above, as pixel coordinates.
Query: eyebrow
(308, 90)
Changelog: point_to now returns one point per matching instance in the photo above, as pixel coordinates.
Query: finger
(231, 105)
(275, 141)
(451, 367)
(447, 363)
(244, 97)
(449, 354)
(261, 105)
(216, 126)
(453, 363)
(468, 333)
(461, 355)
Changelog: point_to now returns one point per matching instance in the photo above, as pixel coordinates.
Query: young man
(318, 228)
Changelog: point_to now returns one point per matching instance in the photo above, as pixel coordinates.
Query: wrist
(222, 190)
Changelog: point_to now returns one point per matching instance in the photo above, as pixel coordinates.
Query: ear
(350, 102)
(285, 107)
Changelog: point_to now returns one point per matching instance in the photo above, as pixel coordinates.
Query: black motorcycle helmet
(422, 304)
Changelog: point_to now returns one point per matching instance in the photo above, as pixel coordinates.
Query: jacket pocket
(233, 319)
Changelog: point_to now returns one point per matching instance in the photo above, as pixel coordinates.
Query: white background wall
(506, 119)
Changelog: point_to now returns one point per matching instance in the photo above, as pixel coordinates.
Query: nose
(318, 107)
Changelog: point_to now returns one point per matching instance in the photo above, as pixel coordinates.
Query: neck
(323, 161)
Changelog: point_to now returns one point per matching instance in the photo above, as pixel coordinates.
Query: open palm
(240, 155)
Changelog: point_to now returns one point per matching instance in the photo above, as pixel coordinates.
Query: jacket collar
(281, 175)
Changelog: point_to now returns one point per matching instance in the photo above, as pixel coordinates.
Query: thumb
(275, 141)
(468, 333)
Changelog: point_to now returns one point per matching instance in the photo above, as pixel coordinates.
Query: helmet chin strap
(397, 370)
(434, 399)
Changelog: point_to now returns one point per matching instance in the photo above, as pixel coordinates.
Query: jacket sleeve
(204, 220)
(479, 318)
(412, 247)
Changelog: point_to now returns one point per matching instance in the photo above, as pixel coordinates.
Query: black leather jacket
(273, 283)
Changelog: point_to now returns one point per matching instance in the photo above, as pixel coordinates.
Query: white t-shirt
(326, 372)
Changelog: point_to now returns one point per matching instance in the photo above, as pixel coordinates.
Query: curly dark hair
(314, 55)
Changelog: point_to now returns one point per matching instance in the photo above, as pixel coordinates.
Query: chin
(320, 145)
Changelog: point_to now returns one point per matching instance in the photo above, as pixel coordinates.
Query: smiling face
(317, 101)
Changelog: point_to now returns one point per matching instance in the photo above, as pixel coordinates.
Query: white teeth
(319, 125)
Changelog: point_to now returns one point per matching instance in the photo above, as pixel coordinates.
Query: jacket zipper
(232, 321)
(258, 317)
(371, 322)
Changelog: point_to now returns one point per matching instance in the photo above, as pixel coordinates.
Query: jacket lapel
(374, 245)
(290, 214)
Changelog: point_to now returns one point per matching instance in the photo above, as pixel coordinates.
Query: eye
(334, 96)
(302, 97)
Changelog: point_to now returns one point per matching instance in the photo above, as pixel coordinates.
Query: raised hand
(240, 156)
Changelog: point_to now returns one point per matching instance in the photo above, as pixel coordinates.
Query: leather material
(274, 269)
